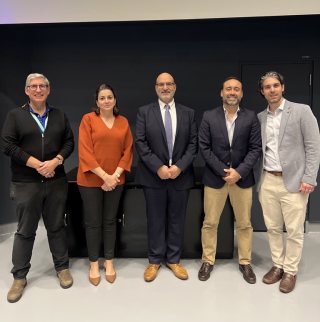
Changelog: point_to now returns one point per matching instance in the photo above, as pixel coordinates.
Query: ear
(26, 90)
(221, 93)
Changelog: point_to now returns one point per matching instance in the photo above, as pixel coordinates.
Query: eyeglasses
(161, 85)
(41, 87)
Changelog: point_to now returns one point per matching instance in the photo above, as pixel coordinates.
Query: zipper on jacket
(42, 146)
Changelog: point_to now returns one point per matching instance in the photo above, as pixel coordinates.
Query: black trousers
(100, 210)
(33, 199)
(166, 212)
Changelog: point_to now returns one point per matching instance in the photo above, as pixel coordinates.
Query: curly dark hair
(266, 75)
(102, 87)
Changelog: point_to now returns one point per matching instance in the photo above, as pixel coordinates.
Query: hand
(163, 173)
(232, 176)
(306, 188)
(110, 182)
(46, 168)
(174, 171)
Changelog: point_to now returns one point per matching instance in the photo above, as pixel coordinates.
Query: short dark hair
(230, 77)
(102, 87)
(266, 75)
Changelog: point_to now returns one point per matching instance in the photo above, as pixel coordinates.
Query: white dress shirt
(271, 157)
(173, 113)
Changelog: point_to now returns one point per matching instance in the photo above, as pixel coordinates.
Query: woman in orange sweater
(105, 153)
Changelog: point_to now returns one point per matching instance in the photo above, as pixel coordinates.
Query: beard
(235, 102)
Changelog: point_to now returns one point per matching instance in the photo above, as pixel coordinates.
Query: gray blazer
(299, 145)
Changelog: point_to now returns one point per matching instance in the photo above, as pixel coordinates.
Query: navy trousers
(166, 212)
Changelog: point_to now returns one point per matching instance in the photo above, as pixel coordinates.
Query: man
(38, 138)
(288, 169)
(166, 142)
(230, 144)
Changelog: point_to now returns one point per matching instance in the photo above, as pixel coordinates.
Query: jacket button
(231, 150)
(228, 163)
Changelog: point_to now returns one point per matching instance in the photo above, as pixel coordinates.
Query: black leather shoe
(204, 273)
(248, 274)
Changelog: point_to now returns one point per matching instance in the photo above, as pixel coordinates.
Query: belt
(277, 174)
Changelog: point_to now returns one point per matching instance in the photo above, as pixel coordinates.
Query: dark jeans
(100, 210)
(166, 212)
(31, 200)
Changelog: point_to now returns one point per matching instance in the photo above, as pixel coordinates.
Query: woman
(105, 153)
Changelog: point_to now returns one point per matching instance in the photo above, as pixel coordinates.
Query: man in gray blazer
(288, 172)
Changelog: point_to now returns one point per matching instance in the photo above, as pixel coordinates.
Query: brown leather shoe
(178, 270)
(287, 283)
(204, 272)
(15, 292)
(248, 274)
(273, 276)
(151, 272)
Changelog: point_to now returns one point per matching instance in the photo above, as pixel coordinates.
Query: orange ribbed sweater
(104, 147)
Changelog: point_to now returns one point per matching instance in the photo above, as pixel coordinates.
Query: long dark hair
(102, 87)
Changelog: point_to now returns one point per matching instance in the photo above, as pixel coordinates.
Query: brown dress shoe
(204, 273)
(248, 274)
(178, 271)
(287, 283)
(111, 278)
(65, 277)
(15, 292)
(151, 272)
(273, 276)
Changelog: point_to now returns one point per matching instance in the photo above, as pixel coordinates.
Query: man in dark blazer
(230, 144)
(167, 144)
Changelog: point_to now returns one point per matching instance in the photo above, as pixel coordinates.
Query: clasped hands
(232, 176)
(47, 168)
(165, 172)
(110, 182)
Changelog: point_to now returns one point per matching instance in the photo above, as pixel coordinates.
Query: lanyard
(40, 125)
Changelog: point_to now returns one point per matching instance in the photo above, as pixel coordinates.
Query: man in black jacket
(38, 138)
(230, 144)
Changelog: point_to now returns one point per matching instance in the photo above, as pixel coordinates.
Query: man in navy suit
(230, 144)
(167, 144)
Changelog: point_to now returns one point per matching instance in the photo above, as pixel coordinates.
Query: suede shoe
(15, 292)
(151, 272)
(273, 276)
(204, 272)
(287, 283)
(248, 273)
(65, 277)
(178, 270)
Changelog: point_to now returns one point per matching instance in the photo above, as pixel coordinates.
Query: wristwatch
(60, 161)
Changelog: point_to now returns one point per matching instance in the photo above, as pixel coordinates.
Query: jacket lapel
(284, 119)
(157, 113)
(222, 122)
(263, 124)
(238, 125)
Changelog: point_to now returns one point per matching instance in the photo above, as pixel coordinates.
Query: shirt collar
(226, 112)
(162, 104)
(45, 113)
(280, 108)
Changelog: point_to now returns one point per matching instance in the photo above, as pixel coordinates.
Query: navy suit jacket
(217, 152)
(152, 148)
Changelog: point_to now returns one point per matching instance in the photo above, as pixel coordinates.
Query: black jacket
(22, 138)
(216, 151)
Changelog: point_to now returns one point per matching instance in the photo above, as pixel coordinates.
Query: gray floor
(224, 297)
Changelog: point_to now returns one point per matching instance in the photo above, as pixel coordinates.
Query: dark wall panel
(129, 56)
